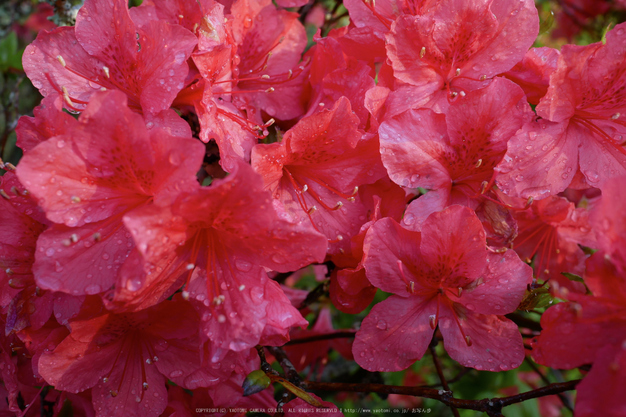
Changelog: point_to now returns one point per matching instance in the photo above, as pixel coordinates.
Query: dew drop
(176, 374)
(382, 325)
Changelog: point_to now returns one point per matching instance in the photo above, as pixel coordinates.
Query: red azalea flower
(550, 231)
(590, 329)
(452, 155)
(317, 169)
(126, 358)
(107, 50)
(216, 242)
(108, 164)
(581, 126)
(442, 276)
(457, 46)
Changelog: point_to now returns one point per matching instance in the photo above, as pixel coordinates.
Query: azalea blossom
(442, 276)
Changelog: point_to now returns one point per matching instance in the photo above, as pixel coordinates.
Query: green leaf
(10, 56)
(256, 381)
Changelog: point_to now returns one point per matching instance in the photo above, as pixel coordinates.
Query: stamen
(266, 77)
(483, 78)
(457, 72)
(312, 210)
(478, 164)
(106, 71)
(189, 266)
(242, 287)
(97, 236)
(74, 238)
(185, 295)
(468, 341)
(305, 188)
(66, 97)
(422, 52)
(75, 199)
(270, 90)
(460, 291)
(615, 116)
(4, 195)
(432, 320)
(61, 60)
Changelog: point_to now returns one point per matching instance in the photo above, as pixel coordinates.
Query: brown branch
(564, 399)
(492, 406)
(290, 371)
(315, 294)
(318, 337)
(525, 322)
(442, 378)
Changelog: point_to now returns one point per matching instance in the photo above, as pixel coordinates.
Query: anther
(9, 271)
(462, 93)
(615, 116)
(4, 195)
(457, 72)
(105, 380)
(483, 78)
(454, 94)
(422, 52)
(74, 238)
(265, 77)
(61, 60)
(338, 205)
(411, 287)
(242, 287)
(221, 318)
(185, 295)
(478, 163)
(14, 190)
(66, 97)
(290, 75)
(75, 199)
(460, 291)
(432, 320)
(106, 71)
(339, 237)
(145, 386)
(113, 393)
(149, 361)
(189, 267)
(270, 122)
(180, 16)
(9, 166)
(305, 188)
(97, 236)
(270, 90)
(312, 210)
(468, 341)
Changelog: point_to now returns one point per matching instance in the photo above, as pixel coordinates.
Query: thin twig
(335, 335)
(442, 378)
(491, 406)
(564, 399)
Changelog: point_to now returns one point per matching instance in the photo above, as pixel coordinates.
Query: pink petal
(541, 160)
(501, 288)
(454, 242)
(386, 244)
(496, 344)
(600, 392)
(395, 334)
